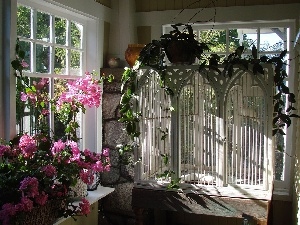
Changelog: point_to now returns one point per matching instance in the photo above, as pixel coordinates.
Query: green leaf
(254, 52)
(15, 64)
(21, 54)
(283, 54)
(295, 115)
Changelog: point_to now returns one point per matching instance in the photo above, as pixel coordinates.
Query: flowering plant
(36, 169)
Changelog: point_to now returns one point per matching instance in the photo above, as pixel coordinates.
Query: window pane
(28, 113)
(217, 39)
(234, 41)
(76, 34)
(25, 46)
(247, 38)
(43, 26)
(75, 62)
(23, 21)
(273, 39)
(60, 61)
(60, 122)
(279, 157)
(60, 31)
(42, 58)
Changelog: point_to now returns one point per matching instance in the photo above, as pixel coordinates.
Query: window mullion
(258, 39)
(68, 43)
(52, 43)
(33, 29)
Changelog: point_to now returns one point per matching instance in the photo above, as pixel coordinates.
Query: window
(220, 131)
(54, 40)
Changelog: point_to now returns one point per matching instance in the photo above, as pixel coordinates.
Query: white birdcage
(215, 130)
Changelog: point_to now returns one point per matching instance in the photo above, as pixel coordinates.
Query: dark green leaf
(254, 52)
(292, 98)
(282, 54)
(295, 115)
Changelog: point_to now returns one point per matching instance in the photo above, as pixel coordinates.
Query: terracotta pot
(132, 53)
(179, 52)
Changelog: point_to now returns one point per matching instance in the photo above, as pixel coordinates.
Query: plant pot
(180, 52)
(114, 62)
(41, 215)
(78, 191)
(132, 53)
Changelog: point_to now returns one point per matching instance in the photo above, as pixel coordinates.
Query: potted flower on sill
(38, 172)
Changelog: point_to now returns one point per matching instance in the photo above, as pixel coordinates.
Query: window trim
(91, 130)
(280, 187)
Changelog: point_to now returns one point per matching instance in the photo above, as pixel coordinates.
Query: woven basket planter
(42, 215)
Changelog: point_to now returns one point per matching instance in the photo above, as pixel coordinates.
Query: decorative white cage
(215, 130)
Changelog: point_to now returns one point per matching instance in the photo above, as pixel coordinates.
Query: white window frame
(91, 131)
(280, 187)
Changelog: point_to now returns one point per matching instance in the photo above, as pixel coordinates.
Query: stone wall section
(115, 209)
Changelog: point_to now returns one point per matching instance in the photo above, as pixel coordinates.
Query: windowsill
(230, 191)
(93, 197)
(282, 195)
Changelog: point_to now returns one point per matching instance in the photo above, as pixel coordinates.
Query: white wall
(223, 14)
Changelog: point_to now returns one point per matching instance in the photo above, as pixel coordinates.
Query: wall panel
(143, 5)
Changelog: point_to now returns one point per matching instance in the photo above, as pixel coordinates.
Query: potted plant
(39, 172)
(179, 45)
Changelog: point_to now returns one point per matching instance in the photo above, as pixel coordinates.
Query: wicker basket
(42, 215)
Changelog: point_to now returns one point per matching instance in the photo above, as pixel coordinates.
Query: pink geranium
(49, 170)
(84, 207)
(29, 186)
(41, 199)
(27, 145)
(25, 205)
(58, 146)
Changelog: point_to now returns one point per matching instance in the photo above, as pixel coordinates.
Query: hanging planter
(180, 47)
(180, 52)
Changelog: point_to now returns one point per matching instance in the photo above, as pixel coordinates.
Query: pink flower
(4, 149)
(87, 176)
(41, 199)
(25, 205)
(24, 97)
(24, 64)
(105, 152)
(8, 210)
(84, 207)
(107, 168)
(98, 166)
(49, 170)
(58, 146)
(30, 186)
(45, 112)
(27, 145)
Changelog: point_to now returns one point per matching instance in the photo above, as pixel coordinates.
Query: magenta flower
(25, 205)
(49, 170)
(30, 186)
(84, 207)
(8, 210)
(4, 149)
(27, 145)
(58, 146)
(24, 64)
(87, 176)
(41, 199)
(98, 166)
(105, 152)
(24, 97)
